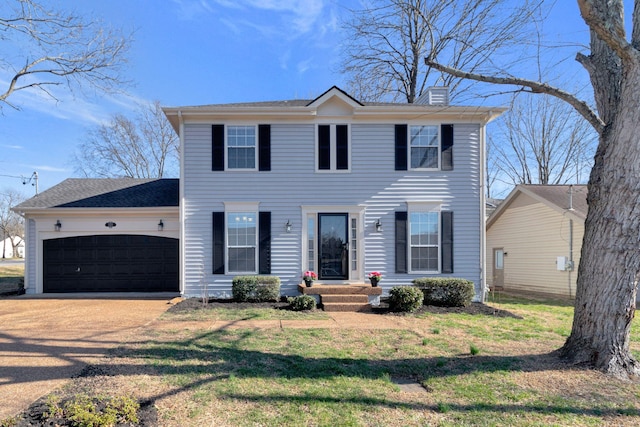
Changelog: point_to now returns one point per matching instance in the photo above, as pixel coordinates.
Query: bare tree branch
(59, 49)
(536, 87)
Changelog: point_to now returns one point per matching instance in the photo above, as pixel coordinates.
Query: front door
(333, 245)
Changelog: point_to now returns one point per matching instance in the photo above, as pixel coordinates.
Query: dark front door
(333, 244)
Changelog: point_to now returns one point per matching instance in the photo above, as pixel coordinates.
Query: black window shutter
(264, 243)
(446, 147)
(264, 147)
(324, 147)
(401, 242)
(218, 243)
(447, 241)
(342, 147)
(217, 147)
(401, 147)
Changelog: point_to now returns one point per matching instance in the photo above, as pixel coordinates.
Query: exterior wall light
(57, 226)
(378, 226)
(160, 226)
(288, 226)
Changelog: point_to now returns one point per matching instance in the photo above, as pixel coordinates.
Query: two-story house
(332, 185)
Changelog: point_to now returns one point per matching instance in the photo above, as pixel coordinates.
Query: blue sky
(192, 52)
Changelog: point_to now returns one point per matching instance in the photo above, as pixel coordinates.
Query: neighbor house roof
(106, 193)
(562, 198)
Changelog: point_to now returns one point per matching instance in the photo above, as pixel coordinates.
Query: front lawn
(441, 369)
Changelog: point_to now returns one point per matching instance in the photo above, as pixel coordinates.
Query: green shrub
(445, 292)
(86, 411)
(405, 298)
(255, 288)
(302, 302)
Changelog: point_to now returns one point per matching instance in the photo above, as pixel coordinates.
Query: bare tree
(11, 224)
(57, 48)
(541, 140)
(141, 147)
(387, 40)
(610, 262)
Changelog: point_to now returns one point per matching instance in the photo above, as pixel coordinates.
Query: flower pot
(374, 282)
(308, 283)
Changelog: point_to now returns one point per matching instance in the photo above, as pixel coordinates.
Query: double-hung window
(242, 242)
(424, 241)
(425, 147)
(241, 147)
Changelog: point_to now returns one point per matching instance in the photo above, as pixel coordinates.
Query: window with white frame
(242, 242)
(424, 142)
(241, 147)
(424, 241)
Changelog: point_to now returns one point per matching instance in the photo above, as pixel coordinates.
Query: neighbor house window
(242, 241)
(424, 147)
(424, 241)
(241, 147)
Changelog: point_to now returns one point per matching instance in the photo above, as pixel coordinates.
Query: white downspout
(483, 227)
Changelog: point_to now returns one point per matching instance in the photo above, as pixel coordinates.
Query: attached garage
(102, 236)
(110, 263)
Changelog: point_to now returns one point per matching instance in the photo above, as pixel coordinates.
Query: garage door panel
(111, 263)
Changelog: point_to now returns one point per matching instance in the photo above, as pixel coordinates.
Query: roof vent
(435, 95)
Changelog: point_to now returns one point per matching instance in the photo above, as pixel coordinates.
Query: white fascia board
(170, 210)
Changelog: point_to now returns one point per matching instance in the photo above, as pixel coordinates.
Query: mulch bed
(213, 303)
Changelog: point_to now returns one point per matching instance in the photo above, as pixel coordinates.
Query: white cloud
(12, 147)
(303, 66)
(46, 168)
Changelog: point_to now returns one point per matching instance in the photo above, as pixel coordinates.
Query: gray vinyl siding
(293, 181)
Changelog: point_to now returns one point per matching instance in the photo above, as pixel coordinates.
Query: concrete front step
(348, 297)
(346, 306)
(362, 299)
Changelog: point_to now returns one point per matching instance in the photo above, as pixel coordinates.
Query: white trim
(438, 147)
(241, 207)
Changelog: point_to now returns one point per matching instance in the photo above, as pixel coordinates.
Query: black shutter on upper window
(324, 147)
(446, 147)
(264, 243)
(217, 147)
(401, 243)
(218, 243)
(264, 147)
(401, 147)
(447, 241)
(342, 147)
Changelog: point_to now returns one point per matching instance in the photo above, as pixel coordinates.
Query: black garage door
(113, 263)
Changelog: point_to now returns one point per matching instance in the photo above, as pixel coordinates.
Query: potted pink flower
(375, 277)
(308, 277)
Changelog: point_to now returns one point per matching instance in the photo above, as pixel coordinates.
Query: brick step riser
(362, 299)
(346, 307)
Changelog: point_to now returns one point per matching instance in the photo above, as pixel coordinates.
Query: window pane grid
(424, 241)
(241, 241)
(424, 146)
(311, 243)
(241, 146)
(353, 244)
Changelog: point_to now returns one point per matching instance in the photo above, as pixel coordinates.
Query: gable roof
(305, 109)
(106, 193)
(562, 198)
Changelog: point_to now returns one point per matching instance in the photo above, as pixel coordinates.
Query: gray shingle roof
(559, 196)
(106, 193)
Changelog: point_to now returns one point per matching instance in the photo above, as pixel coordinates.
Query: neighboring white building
(7, 247)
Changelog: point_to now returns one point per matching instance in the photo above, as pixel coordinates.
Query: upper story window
(333, 148)
(241, 147)
(425, 147)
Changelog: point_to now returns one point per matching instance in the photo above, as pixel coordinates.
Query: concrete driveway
(43, 342)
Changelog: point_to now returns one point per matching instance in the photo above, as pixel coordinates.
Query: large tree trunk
(610, 262)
